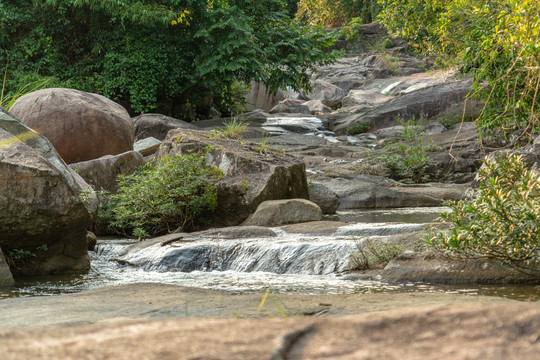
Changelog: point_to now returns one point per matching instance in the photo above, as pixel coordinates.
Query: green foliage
(232, 129)
(7, 100)
(292, 7)
(336, 12)
(359, 127)
(416, 159)
(159, 54)
(414, 20)
(174, 193)
(497, 41)
(412, 162)
(350, 31)
(370, 254)
(19, 257)
(389, 63)
(502, 223)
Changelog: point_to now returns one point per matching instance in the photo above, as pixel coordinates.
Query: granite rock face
(102, 172)
(281, 212)
(81, 126)
(42, 216)
(460, 332)
(251, 174)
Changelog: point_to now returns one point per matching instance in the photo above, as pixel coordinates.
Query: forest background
(185, 57)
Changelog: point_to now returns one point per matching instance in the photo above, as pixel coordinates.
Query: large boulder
(251, 174)
(328, 93)
(325, 198)
(373, 192)
(290, 106)
(423, 103)
(41, 213)
(81, 126)
(102, 173)
(317, 107)
(157, 126)
(281, 212)
(147, 146)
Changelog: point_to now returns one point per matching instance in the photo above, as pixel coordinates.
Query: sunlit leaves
(499, 44)
(502, 223)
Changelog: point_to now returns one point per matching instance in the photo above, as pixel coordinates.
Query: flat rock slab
(475, 331)
(159, 301)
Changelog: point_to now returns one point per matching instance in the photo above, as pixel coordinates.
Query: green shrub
(359, 127)
(502, 223)
(174, 193)
(412, 163)
(416, 160)
(389, 63)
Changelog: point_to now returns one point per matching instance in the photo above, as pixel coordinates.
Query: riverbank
(158, 301)
(155, 321)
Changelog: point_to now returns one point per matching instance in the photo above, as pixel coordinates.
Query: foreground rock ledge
(501, 331)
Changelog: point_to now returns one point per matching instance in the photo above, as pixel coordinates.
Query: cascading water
(299, 263)
(283, 256)
(288, 263)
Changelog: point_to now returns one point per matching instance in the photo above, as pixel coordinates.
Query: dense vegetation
(502, 222)
(498, 41)
(173, 56)
(174, 193)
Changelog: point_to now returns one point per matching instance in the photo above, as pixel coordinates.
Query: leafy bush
(416, 160)
(389, 63)
(411, 165)
(502, 222)
(359, 127)
(174, 193)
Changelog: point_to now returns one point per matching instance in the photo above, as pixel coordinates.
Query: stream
(287, 263)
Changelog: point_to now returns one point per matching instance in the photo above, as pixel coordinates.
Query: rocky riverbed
(141, 321)
(332, 146)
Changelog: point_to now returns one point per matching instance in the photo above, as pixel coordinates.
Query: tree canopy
(165, 55)
(498, 41)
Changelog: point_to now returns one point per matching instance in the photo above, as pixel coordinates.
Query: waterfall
(284, 256)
